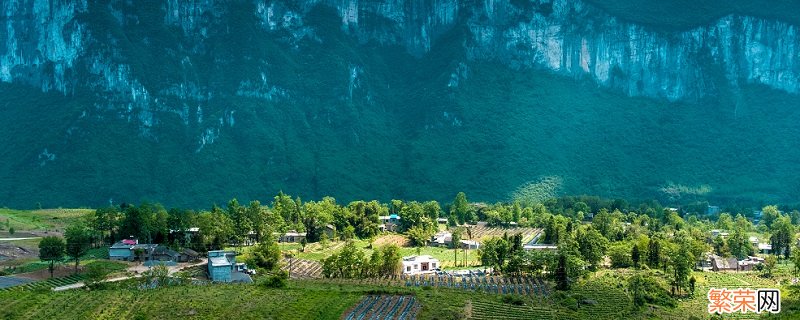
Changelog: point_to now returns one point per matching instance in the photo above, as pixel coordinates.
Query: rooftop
(220, 261)
(419, 258)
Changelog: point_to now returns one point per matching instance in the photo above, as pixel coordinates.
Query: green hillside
(400, 133)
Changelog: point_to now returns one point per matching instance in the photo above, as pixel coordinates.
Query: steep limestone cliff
(46, 44)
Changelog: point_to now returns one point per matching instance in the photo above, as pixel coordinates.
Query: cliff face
(47, 45)
(208, 67)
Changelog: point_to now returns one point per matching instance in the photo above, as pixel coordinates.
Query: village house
(329, 231)
(188, 255)
(750, 263)
(765, 248)
(389, 223)
(293, 236)
(442, 239)
(420, 264)
(718, 232)
(162, 253)
(126, 250)
(724, 264)
(470, 244)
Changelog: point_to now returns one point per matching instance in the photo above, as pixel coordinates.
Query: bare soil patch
(399, 240)
(10, 251)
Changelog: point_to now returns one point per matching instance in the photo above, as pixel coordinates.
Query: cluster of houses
(717, 263)
(445, 239)
(131, 249)
(222, 265)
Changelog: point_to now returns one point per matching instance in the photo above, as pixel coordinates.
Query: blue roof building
(222, 267)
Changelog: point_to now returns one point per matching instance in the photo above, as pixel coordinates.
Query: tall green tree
(725, 221)
(592, 246)
(783, 236)
(78, 240)
(796, 260)
(769, 264)
(494, 253)
(561, 275)
(241, 222)
(287, 208)
(654, 253)
(682, 264)
(51, 250)
(460, 208)
(390, 259)
(739, 244)
(106, 221)
(257, 216)
(456, 243)
(769, 214)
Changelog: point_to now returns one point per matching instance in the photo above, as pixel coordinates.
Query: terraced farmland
(384, 307)
(222, 301)
(303, 268)
(482, 231)
(47, 284)
(483, 310)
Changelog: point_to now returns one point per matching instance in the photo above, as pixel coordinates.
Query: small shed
(188, 255)
(470, 244)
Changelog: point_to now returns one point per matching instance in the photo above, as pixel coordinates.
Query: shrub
(645, 288)
(513, 300)
(277, 279)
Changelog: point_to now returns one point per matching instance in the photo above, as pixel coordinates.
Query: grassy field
(39, 220)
